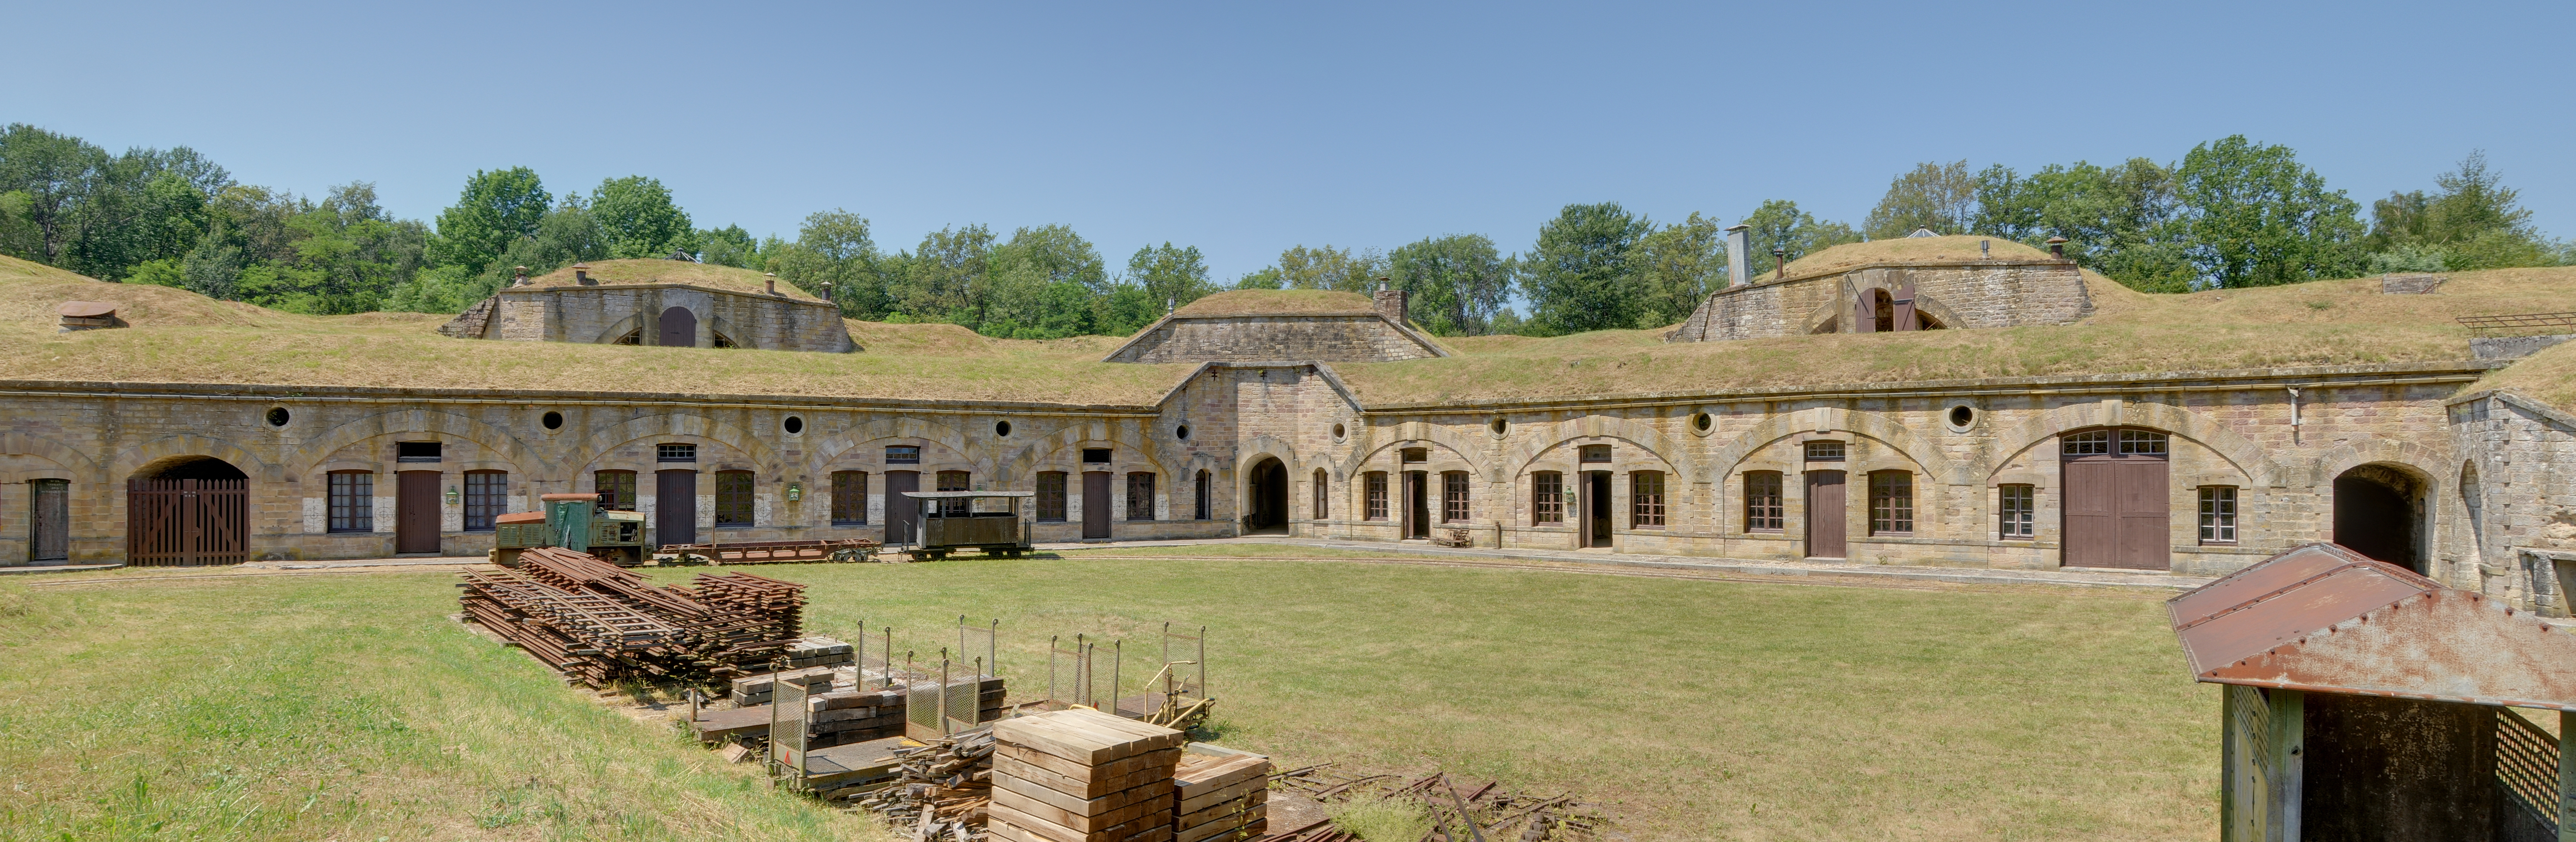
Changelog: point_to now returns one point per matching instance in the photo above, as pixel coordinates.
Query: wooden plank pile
(1220, 797)
(599, 624)
(943, 790)
(1080, 775)
(1459, 808)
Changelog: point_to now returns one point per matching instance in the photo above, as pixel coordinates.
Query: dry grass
(1276, 302)
(2319, 323)
(345, 707)
(672, 272)
(1907, 249)
(2548, 376)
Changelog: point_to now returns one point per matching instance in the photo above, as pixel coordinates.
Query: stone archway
(1266, 497)
(187, 510)
(2380, 511)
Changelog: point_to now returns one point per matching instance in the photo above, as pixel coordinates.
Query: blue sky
(1244, 129)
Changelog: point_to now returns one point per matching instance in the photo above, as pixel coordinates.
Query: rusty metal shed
(2366, 702)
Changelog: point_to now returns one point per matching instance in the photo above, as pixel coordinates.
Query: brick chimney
(2057, 247)
(1390, 302)
(581, 275)
(518, 276)
(771, 278)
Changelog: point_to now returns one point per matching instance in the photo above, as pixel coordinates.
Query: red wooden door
(416, 512)
(1825, 530)
(1095, 504)
(675, 507)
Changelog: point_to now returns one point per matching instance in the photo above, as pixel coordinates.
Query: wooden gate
(1825, 507)
(679, 328)
(2118, 505)
(187, 521)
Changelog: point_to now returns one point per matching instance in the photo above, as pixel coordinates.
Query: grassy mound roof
(1907, 250)
(649, 271)
(1277, 302)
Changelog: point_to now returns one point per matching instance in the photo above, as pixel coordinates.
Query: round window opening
(1500, 426)
(1702, 422)
(1001, 428)
(277, 416)
(792, 425)
(552, 420)
(1182, 431)
(1337, 432)
(1961, 416)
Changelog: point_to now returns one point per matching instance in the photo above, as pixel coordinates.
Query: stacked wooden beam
(1460, 807)
(1080, 775)
(599, 624)
(944, 788)
(1220, 797)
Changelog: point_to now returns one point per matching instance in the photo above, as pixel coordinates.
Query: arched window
(1762, 509)
(485, 498)
(1323, 495)
(1206, 496)
(1646, 500)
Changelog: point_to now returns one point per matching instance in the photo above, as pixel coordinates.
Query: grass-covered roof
(650, 271)
(1276, 302)
(178, 336)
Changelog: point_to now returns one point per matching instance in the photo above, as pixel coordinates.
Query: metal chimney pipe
(1738, 251)
(1780, 263)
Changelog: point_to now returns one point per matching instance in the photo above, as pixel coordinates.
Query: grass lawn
(333, 706)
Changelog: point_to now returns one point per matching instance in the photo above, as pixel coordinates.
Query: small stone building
(1282, 325)
(657, 302)
(1912, 283)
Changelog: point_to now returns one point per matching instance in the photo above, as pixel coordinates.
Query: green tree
(641, 219)
(2254, 216)
(835, 256)
(949, 277)
(1045, 281)
(2115, 219)
(496, 208)
(1301, 267)
(1778, 225)
(729, 246)
(54, 174)
(1941, 197)
(1169, 275)
(1456, 283)
(2474, 222)
(1676, 267)
(1577, 277)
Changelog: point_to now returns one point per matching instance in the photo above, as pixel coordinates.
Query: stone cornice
(756, 296)
(267, 392)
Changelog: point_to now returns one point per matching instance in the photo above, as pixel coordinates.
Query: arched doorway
(679, 328)
(1267, 508)
(2118, 506)
(187, 510)
(2379, 512)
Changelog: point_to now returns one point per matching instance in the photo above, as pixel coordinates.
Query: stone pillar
(1738, 250)
(1390, 303)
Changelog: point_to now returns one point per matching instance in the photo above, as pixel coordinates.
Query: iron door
(1596, 507)
(1825, 507)
(49, 530)
(675, 507)
(1095, 504)
(416, 512)
(680, 329)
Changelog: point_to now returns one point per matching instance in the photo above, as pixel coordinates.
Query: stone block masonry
(1339, 337)
(1993, 293)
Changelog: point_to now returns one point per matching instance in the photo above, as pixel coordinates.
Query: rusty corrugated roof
(2324, 618)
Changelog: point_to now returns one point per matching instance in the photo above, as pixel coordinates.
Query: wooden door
(49, 527)
(2118, 511)
(416, 512)
(187, 521)
(675, 507)
(902, 514)
(1825, 508)
(1578, 508)
(1596, 507)
(1095, 504)
(679, 328)
(1417, 510)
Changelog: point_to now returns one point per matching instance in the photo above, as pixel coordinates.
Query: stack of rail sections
(598, 624)
(1079, 775)
(1222, 797)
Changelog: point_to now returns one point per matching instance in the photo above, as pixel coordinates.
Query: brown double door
(187, 521)
(903, 514)
(2118, 511)
(1825, 508)
(675, 507)
(1095, 504)
(416, 511)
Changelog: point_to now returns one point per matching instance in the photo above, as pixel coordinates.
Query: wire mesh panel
(2527, 766)
(944, 704)
(787, 729)
(1069, 673)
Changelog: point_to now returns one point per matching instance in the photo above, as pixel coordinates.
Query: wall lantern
(795, 491)
(452, 496)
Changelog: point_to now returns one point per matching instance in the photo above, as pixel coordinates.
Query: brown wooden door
(1417, 509)
(679, 328)
(2118, 512)
(1825, 508)
(675, 507)
(1095, 504)
(49, 526)
(1578, 508)
(416, 512)
(187, 521)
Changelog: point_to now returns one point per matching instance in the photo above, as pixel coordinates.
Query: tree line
(2229, 213)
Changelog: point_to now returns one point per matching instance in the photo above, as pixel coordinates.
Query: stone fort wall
(1345, 337)
(603, 314)
(1996, 293)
